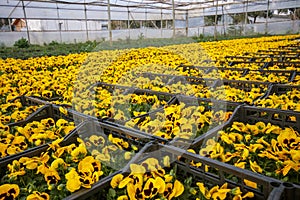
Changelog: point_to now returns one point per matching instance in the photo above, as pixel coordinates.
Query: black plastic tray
(289, 74)
(29, 100)
(263, 65)
(207, 70)
(109, 87)
(47, 111)
(262, 57)
(102, 128)
(209, 104)
(279, 89)
(133, 90)
(35, 151)
(171, 79)
(84, 129)
(93, 127)
(50, 110)
(191, 68)
(244, 85)
(251, 115)
(25, 103)
(162, 96)
(268, 188)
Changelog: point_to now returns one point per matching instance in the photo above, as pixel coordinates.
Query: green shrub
(22, 43)
(52, 43)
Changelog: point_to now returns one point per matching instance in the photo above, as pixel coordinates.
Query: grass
(55, 49)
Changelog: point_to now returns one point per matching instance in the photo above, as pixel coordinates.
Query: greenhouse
(151, 99)
(77, 21)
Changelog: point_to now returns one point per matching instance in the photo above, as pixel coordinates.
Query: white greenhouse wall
(41, 37)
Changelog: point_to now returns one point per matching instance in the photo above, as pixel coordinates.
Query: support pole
(268, 6)
(9, 24)
(128, 21)
(246, 17)
(223, 21)
(146, 23)
(109, 23)
(59, 24)
(161, 23)
(216, 20)
(203, 27)
(187, 23)
(173, 14)
(25, 16)
(86, 24)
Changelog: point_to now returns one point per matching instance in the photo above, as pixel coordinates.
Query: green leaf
(111, 193)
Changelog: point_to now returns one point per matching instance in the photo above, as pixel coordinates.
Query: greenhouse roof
(134, 9)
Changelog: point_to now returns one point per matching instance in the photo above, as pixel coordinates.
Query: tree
(284, 11)
(210, 20)
(260, 14)
(239, 18)
(294, 13)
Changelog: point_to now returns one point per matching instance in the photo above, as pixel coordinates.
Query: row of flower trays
(287, 76)
(107, 147)
(73, 171)
(185, 117)
(90, 152)
(48, 123)
(265, 141)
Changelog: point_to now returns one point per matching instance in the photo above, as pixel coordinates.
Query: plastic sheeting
(132, 9)
(8, 38)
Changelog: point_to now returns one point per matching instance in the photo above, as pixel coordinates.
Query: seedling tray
(47, 111)
(267, 188)
(208, 105)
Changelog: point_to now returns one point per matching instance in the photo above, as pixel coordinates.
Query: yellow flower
(255, 167)
(116, 180)
(127, 155)
(135, 178)
(166, 161)
(97, 140)
(103, 157)
(295, 155)
(55, 144)
(245, 154)
(86, 181)
(118, 141)
(47, 94)
(134, 192)
(204, 190)
(239, 126)
(173, 190)
(240, 165)
(38, 196)
(63, 110)
(153, 186)
(9, 191)
(123, 197)
(236, 191)
(51, 176)
(61, 122)
(286, 137)
(285, 170)
(168, 178)
(254, 147)
(73, 180)
(250, 183)
(137, 169)
(59, 162)
(79, 152)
